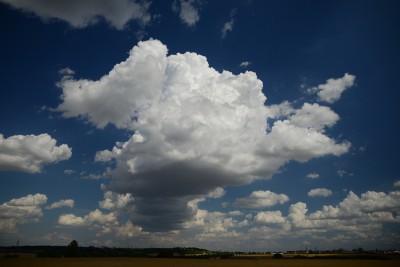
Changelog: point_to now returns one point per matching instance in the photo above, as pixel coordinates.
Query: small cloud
(217, 193)
(66, 71)
(245, 64)
(70, 220)
(188, 11)
(312, 175)
(228, 26)
(396, 184)
(343, 173)
(42, 109)
(319, 192)
(80, 14)
(66, 74)
(93, 176)
(69, 172)
(69, 203)
(235, 213)
(115, 201)
(332, 90)
(226, 204)
(141, 34)
(261, 199)
(104, 156)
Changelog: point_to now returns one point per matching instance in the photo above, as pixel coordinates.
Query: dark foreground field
(146, 262)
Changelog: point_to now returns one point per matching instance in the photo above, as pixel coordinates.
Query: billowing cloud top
(28, 153)
(194, 130)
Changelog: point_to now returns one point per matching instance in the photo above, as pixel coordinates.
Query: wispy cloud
(69, 203)
(69, 172)
(228, 26)
(245, 64)
(342, 173)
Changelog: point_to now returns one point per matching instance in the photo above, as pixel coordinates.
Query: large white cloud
(28, 153)
(81, 13)
(194, 130)
(20, 211)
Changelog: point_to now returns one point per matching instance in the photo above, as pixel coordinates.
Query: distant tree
(73, 244)
(72, 249)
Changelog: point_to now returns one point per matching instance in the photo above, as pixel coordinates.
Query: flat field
(145, 262)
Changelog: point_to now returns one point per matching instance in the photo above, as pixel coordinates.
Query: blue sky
(232, 125)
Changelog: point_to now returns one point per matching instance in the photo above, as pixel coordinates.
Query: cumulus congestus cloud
(193, 130)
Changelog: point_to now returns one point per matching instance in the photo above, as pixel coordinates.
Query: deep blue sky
(292, 47)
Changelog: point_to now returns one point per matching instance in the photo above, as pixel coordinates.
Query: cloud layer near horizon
(194, 130)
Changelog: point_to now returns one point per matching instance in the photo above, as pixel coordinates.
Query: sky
(225, 125)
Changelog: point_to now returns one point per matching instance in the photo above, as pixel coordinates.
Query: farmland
(154, 262)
